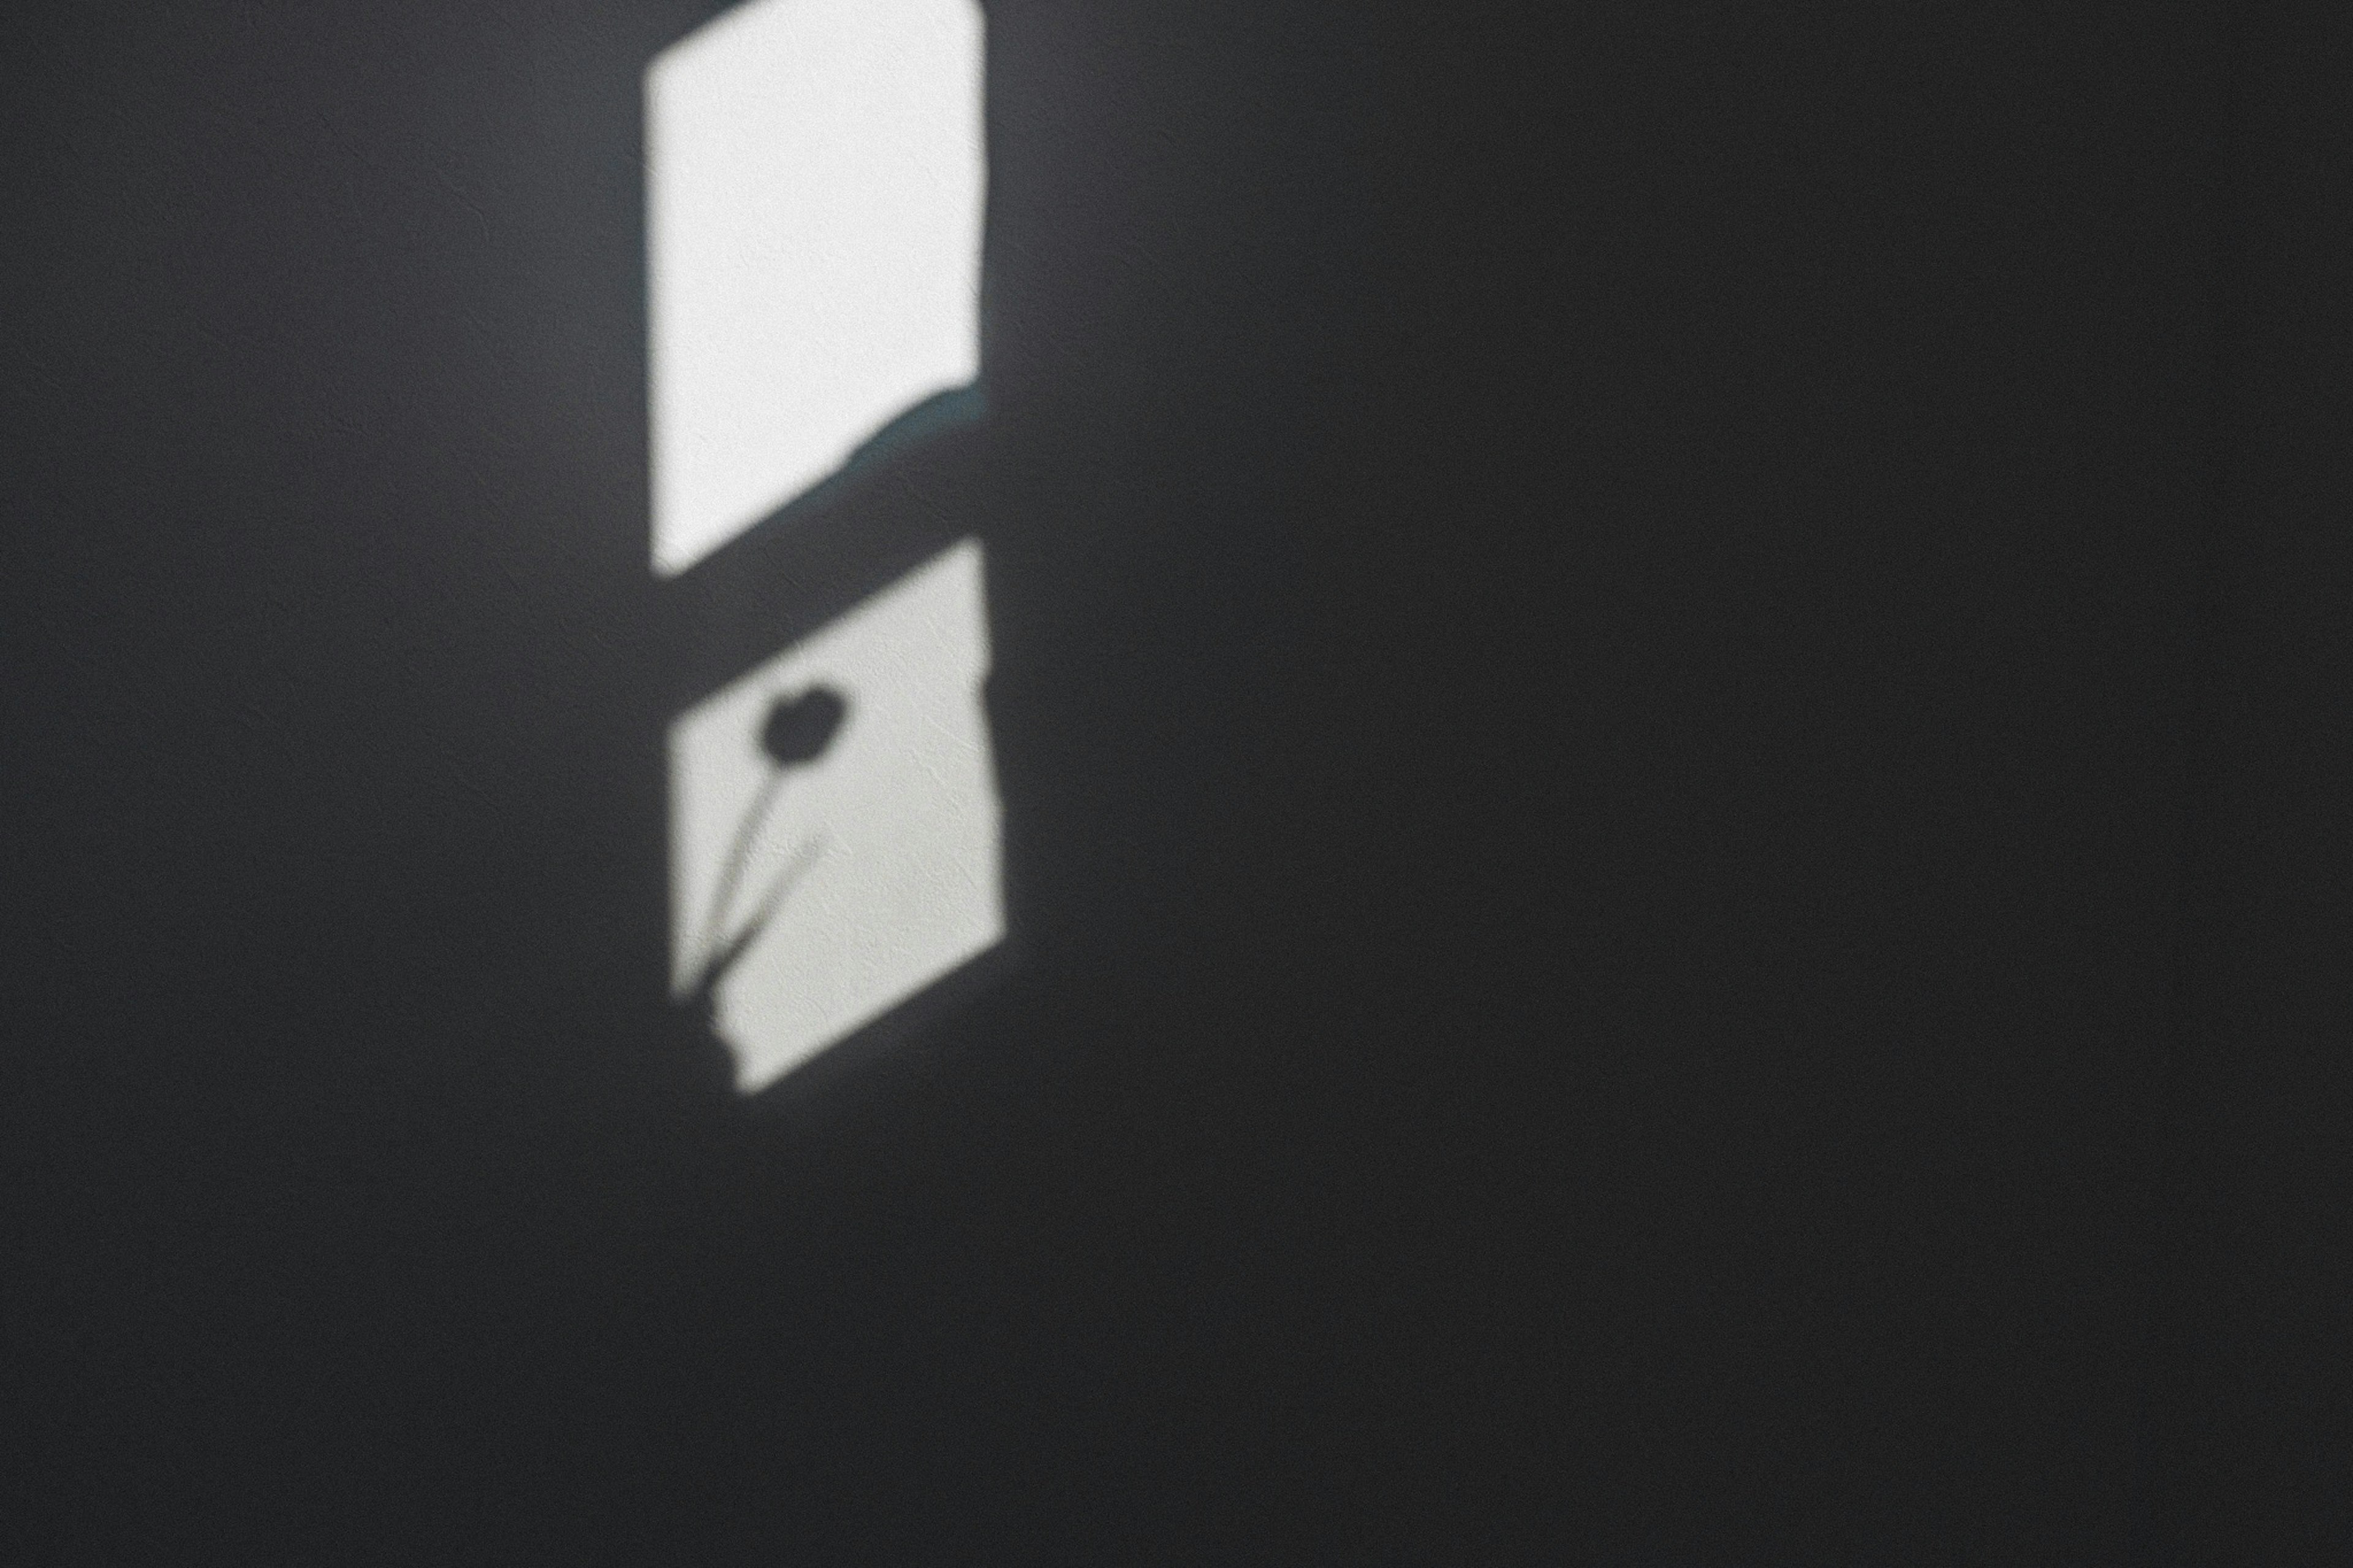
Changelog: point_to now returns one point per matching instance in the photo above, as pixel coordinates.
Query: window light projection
(834, 823)
(815, 173)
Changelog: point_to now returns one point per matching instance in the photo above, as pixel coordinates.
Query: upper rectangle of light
(816, 175)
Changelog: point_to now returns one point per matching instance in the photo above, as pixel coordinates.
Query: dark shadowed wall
(1666, 693)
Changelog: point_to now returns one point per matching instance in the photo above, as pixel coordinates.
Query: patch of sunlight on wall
(880, 858)
(816, 178)
(815, 173)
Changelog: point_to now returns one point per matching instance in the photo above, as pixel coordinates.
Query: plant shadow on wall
(796, 732)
